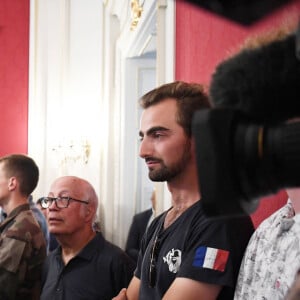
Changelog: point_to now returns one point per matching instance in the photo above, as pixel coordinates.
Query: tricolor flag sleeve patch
(211, 258)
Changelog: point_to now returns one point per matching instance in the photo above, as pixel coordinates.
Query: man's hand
(131, 293)
(121, 295)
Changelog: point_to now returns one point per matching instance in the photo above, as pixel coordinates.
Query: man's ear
(90, 212)
(12, 183)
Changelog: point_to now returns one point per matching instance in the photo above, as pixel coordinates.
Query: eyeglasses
(60, 202)
(153, 260)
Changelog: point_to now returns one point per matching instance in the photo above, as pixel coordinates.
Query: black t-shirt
(98, 272)
(194, 247)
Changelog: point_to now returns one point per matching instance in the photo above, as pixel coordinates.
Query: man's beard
(166, 173)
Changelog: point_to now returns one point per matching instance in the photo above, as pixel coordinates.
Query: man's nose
(145, 148)
(52, 205)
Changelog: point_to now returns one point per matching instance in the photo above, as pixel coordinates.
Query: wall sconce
(136, 13)
(73, 151)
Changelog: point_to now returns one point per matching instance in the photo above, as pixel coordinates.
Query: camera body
(239, 160)
(247, 146)
(244, 12)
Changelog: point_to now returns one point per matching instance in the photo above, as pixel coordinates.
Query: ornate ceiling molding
(136, 13)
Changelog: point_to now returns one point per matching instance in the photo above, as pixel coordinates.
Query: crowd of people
(52, 249)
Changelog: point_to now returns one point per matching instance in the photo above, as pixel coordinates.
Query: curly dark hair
(190, 97)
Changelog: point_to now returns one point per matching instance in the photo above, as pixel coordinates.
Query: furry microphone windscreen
(263, 82)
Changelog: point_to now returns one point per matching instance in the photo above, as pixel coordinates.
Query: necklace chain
(173, 214)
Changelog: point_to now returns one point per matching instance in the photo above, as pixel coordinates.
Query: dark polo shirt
(99, 272)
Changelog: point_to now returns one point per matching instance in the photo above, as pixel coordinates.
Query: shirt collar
(88, 251)
(14, 213)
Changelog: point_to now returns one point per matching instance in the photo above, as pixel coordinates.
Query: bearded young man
(184, 254)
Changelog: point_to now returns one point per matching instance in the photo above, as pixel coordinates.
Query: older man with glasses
(85, 265)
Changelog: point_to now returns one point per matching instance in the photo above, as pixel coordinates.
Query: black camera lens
(240, 161)
(267, 158)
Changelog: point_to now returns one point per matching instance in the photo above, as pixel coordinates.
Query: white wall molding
(84, 61)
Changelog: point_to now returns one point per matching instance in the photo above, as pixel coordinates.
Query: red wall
(203, 39)
(14, 56)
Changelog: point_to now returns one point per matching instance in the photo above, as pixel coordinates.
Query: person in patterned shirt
(22, 243)
(271, 260)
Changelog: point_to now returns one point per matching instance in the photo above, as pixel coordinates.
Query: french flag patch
(211, 258)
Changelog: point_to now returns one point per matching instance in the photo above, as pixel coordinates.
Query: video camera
(245, 12)
(246, 146)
